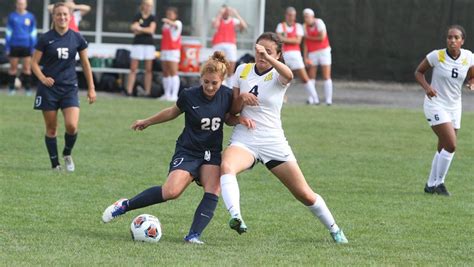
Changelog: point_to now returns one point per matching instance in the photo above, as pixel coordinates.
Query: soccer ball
(146, 228)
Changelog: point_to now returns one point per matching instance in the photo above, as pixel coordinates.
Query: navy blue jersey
(21, 31)
(59, 55)
(204, 118)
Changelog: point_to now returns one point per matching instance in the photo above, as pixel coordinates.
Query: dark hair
(173, 9)
(271, 36)
(217, 63)
(460, 28)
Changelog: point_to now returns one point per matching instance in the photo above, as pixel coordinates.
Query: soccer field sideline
(370, 165)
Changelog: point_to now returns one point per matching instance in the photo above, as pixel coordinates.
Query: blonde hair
(217, 63)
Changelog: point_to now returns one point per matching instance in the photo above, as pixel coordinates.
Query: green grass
(369, 164)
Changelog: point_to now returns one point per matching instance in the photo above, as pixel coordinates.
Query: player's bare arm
(420, 78)
(165, 115)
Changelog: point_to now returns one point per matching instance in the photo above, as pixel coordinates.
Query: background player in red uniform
(317, 52)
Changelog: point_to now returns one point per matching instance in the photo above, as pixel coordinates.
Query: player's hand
(166, 21)
(470, 86)
(48, 81)
(139, 125)
(91, 96)
(247, 122)
(260, 49)
(249, 99)
(308, 62)
(430, 92)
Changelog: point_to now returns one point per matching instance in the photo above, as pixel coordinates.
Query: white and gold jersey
(270, 93)
(448, 76)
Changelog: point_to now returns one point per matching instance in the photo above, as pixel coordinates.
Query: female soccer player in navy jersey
(442, 104)
(20, 39)
(259, 90)
(198, 149)
(58, 89)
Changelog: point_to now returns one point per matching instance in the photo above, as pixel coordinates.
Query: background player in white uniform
(170, 53)
(259, 90)
(291, 33)
(442, 103)
(317, 52)
(226, 22)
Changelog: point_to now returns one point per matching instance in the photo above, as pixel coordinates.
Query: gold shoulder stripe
(441, 56)
(269, 77)
(246, 71)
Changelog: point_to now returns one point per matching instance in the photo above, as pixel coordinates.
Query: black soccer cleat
(429, 189)
(442, 190)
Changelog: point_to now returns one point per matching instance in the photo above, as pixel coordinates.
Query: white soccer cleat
(193, 239)
(69, 163)
(115, 210)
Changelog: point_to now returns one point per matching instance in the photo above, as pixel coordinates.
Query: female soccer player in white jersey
(442, 103)
(259, 90)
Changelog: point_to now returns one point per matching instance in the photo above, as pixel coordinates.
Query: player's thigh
(148, 65)
(173, 68)
(236, 159)
(133, 65)
(176, 183)
(289, 173)
(71, 119)
(209, 177)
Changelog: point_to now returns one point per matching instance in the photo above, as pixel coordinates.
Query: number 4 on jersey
(254, 90)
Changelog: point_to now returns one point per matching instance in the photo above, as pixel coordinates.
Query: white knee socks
(175, 87)
(328, 91)
(231, 194)
(444, 161)
(312, 94)
(433, 174)
(321, 211)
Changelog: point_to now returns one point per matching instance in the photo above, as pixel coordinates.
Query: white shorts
(230, 50)
(436, 115)
(264, 153)
(320, 57)
(170, 55)
(293, 60)
(143, 52)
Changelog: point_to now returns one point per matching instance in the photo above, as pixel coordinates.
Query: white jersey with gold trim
(448, 77)
(270, 93)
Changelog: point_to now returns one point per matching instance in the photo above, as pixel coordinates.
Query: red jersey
(167, 42)
(225, 33)
(312, 45)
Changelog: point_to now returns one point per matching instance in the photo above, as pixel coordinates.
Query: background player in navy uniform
(198, 148)
(58, 89)
(143, 47)
(20, 40)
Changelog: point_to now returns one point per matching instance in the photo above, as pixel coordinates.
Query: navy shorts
(191, 161)
(18, 51)
(56, 97)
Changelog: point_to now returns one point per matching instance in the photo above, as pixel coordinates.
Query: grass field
(369, 164)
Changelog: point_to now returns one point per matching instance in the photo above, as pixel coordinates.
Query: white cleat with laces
(69, 163)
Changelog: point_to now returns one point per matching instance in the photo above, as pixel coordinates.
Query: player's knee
(51, 131)
(227, 167)
(171, 193)
(450, 147)
(71, 128)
